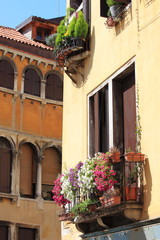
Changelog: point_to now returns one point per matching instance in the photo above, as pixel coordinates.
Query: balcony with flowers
(70, 43)
(105, 191)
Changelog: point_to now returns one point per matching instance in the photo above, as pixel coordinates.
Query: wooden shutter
(129, 112)
(103, 8)
(26, 234)
(54, 87)
(96, 122)
(26, 170)
(51, 166)
(5, 170)
(6, 75)
(3, 232)
(32, 82)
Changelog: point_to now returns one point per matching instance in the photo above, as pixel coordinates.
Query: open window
(112, 114)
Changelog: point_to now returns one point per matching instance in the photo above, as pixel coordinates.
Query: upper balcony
(104, 192)
(71, 43)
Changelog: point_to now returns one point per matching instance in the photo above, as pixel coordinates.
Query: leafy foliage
(81, 26)
(61, 30)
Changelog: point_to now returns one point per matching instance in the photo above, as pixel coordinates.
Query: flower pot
(115, 157)
(131, 193)
(134, 157)
(110, 22)
(114, 200)
(92, 207)
(116, 10)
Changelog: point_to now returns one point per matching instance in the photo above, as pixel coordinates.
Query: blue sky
(13, 12)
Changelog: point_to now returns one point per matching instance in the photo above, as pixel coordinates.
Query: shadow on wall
(147, 190)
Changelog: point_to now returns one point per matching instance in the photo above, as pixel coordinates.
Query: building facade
(115, 84)
(31, 103)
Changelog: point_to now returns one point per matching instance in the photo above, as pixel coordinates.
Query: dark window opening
(39, 34)
(54, 87)
(32, 82)
(104, 7)
(124, 115)
(6, 75)
(75, 3)
(5, 165)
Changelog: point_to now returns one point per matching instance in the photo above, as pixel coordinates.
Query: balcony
(119, 203)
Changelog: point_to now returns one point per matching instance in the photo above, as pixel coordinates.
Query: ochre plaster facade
(134, 39)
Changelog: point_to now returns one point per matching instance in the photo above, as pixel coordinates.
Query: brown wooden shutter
(96, 122)
(54, 87)
(51, 166)
(26, 170)
(5, 170)
(3, 232)
(129, 112)
(26, 234)
(32, 82)
(6, 75)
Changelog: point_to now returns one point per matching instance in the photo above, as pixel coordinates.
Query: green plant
(111, 3)
(81, 26)
(138, 130)
(135, 174)
(82, 207)
(50, 40)
(71, 28)
(61, 30)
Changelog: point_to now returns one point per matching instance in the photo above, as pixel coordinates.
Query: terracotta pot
(134, 157)
(131, 193)
(115, 157)
(110, 22)
(92, 207)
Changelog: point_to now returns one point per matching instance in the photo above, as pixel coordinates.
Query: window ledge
(12, 197)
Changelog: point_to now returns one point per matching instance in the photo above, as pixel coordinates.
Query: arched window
(6, 75)
(32, 82)
(51, 167)
(54, 87)
(27, 171)
(5, 165)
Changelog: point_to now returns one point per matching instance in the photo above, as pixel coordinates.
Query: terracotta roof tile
(13, 34)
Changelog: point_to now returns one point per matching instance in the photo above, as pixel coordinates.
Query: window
(32, 82)
(27, 233)
(5, 165)
(3, 232)
(104, 7)
(42, 33)
(6, 75)
(27, 171)
(113, 114)
(51, 167)
(75, 3)
(54, 87)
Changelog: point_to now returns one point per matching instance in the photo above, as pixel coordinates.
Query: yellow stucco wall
(136, 36)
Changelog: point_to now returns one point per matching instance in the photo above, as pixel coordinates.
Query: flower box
(131, 193)
(114, 200)
(134, 157)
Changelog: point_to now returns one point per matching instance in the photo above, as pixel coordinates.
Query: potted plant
(86, 206)
(115, 8)
(134, 176)
(115, 154)
(111, 197)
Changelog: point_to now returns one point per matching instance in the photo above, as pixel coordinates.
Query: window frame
(109, 82)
